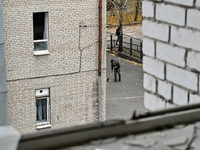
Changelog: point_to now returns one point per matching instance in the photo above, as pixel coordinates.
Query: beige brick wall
(73, 100)
(70, 69)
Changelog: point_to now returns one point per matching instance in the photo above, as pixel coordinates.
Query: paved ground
(128, 95)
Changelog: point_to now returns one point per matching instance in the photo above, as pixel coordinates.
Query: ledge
(44, 52)
(44, 126)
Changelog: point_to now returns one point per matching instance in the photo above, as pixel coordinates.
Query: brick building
(51, 59)
(172, 53)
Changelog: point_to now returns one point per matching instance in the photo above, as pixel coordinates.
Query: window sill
(45, 52)
(44, 126)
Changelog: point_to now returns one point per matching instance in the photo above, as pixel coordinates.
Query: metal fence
(131, 46)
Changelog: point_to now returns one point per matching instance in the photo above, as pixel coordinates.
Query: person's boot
(115, 77)
(119, 78)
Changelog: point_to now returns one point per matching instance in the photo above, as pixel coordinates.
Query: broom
(108, 79)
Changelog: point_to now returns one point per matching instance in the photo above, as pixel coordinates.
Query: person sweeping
(116, 66)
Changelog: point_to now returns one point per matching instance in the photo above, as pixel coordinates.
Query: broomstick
(108, 79)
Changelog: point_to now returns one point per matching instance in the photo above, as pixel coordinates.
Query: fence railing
(131, 46)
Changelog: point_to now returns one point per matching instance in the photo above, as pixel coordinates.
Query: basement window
(42, 107)
(40, 33)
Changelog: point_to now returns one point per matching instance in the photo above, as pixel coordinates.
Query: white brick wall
(181, 77)
(199, 84)
(148, 9)
(193, 18)
(149, 83)
(157, 70)
(165, 89)
(198, 3)
(193, 60)
(182, 2)
(148, 47)
(180, 96)
(194, 98)
(153, 102)
(169, 105)
(185, 37)
(155, 30)
(177, 14)
(172, 52)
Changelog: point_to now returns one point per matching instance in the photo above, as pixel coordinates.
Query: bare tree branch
(116, 6)
(124, 4)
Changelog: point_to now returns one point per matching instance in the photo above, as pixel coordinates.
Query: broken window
(40, 31)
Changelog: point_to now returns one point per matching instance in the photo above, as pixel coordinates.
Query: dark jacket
(117, 32)
(116, 65)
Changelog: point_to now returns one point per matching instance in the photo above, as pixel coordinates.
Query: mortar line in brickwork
(198, 83)
(186, 18)
(185, 58)
(53, 75)
(188, 97)
(154, 15)
(172, 93)
(169, 38)
(194, 2)
(156, 86)
(155, 49)
(177, 4)
(165, 71)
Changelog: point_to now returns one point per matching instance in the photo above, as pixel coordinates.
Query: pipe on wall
(3, 87)
(100, 59)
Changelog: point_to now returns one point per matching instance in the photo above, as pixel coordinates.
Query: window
(42, 107)
(40, 33)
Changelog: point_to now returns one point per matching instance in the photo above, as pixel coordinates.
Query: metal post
(111, 42)
(130, 46)
(141, 53)
(120, 27)
(3, 87)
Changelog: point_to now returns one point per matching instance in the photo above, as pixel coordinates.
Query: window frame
(46, 25)
(48, 111)
(43, 94)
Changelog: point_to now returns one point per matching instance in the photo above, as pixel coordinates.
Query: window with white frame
(42, 107)
(40, 32)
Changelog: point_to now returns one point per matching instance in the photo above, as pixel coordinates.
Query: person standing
(116, 66)
(117, 34)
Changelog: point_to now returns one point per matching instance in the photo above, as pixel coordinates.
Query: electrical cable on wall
(82, 25)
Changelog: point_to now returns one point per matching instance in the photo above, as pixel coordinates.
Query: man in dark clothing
(117, 34)
(116, 66)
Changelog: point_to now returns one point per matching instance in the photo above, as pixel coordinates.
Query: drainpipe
(3, 88)
(100, 59)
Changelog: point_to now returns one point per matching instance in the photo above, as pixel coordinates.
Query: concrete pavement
(128, 95)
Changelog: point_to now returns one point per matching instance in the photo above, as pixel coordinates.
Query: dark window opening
(40, 31)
